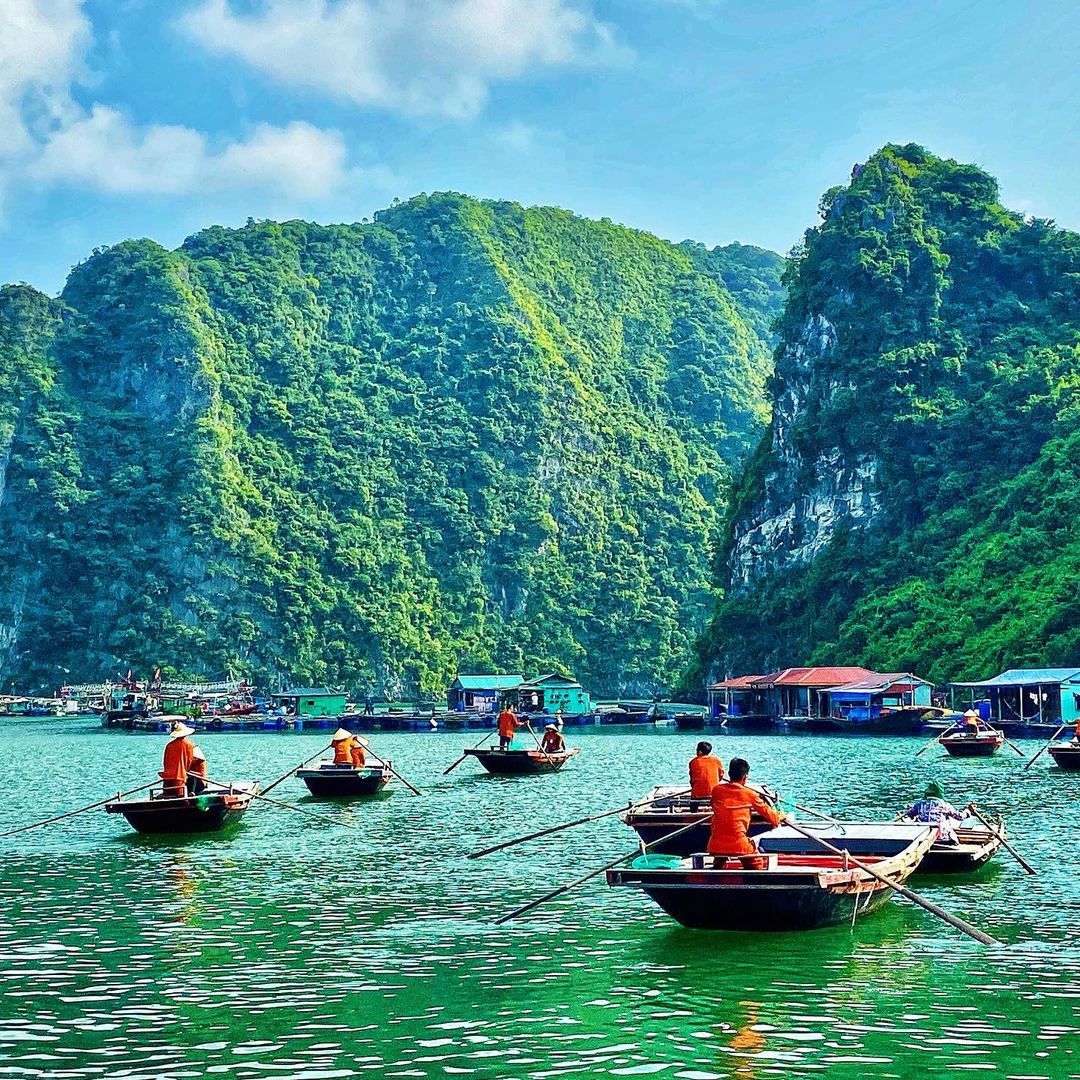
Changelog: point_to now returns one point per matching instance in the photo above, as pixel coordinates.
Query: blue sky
(715, 120)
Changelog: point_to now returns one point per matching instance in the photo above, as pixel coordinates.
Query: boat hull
(195, 814)
(1066, 757)
(344, 782)
(976, 847)
(520, 762)
(965, 747)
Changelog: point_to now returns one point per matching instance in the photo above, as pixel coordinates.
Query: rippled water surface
(289, 949)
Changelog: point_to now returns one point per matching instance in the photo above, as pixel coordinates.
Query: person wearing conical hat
(179, 753)
(932, 809)
(342, 741)
(196, 778)
(359, 758)
(553, 741)
(971, 723)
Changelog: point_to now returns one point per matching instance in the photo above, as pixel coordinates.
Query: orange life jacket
(359, 758)
(706, 772)
(343, 751)
(732, 805)
(177, 761)
(508, 724)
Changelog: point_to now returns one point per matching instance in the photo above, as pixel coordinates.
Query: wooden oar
(936, 738)
(572, 824)
(285, 776)
(284, 805)
(941, 913)
(813, 813)
(539, 746)
(1005, 843)
(393, 772)
(1046, 747)
(82, 810)
(447, 772)
(594, 873)
(1013, 745)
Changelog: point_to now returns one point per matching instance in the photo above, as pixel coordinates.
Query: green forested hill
(466, 435)
(915, 503)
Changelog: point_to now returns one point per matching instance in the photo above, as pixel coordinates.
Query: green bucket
(656, 862)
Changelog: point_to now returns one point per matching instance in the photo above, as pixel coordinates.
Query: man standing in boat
(706, 771)
(733, 803)
(508, 724)
(553, 741)
(179, 754)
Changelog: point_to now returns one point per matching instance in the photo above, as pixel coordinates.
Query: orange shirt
(359, 758)
(706, 772)
(343, 751)
(732, 804)
(178, 758)
(508, 724)
(198, 768)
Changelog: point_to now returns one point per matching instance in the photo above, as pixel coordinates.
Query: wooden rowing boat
(975, 846)
(798, 890)
(211, 812)
(329, 781)
(520, 762)
(1066, 756)
(985, 744)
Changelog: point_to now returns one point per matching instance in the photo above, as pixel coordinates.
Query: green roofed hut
(1025, 700)
(312, 704)
(480, 693)
(553, 695)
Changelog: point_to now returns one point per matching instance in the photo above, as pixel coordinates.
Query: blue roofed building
(1026, 696)
(482, 693)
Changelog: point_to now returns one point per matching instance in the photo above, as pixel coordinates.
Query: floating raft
(799, 890)
(330, 781)
(211, 812)
(520, 762)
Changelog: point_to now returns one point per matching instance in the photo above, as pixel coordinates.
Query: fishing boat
(975, 846)
(1066, 756)
(667, 809)
(984, 744)
(213, 811)
(519, 762)
(327, 780)
(802, 887)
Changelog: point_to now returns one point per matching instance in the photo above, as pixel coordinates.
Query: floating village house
(869, 698)
(480, 692)
(553, 694)
(1026, 696)
(312, 701)
(737, 697)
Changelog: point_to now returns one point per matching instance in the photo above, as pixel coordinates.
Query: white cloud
(103, 151)
(438, 57)
(41, 47)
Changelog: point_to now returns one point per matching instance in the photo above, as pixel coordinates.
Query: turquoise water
(289, 949)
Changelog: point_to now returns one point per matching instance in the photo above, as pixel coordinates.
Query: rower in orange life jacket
(356, 752)
(706, 771)
(508, 724)
(179, 753)
(552, 741)
(732, 805)
(196, 778)
(343, 742)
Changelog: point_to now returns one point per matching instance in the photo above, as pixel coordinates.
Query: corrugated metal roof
(566, 680)
(740, 682)
(820, 677)
(1027, 677)
(311, 691)
(488, 682)
(901, 681)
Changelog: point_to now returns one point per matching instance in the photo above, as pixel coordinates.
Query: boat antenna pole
(594, 873)
(71, 813)
(903, 890)
(1049, 743)
(1005, 843)
(571, 824)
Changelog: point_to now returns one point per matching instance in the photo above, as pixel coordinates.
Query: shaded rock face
(805, 498)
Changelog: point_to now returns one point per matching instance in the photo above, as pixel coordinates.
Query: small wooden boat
(328, 780)
(665, 811)
(1066, 756)
(984, 744)
(975, 846)
(798, 890)
(519, 762)
(213, 811)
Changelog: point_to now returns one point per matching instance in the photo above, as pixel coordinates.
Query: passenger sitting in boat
(342, 741)
(1076, 734)
(553, 741)
(179, 751)
(356, 752)
(196, 777)
(932, 809)
(508, 724)
(732, 805)
(971, 723)
(706, 771)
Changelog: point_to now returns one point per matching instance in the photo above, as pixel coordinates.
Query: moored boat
(1066, 756)
(327, 780)
(975, 846)
(984, 744)
(212, 811)
(802, 887)
(519, 762)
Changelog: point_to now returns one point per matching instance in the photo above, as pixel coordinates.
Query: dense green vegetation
(464, 436)
(957, 367)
